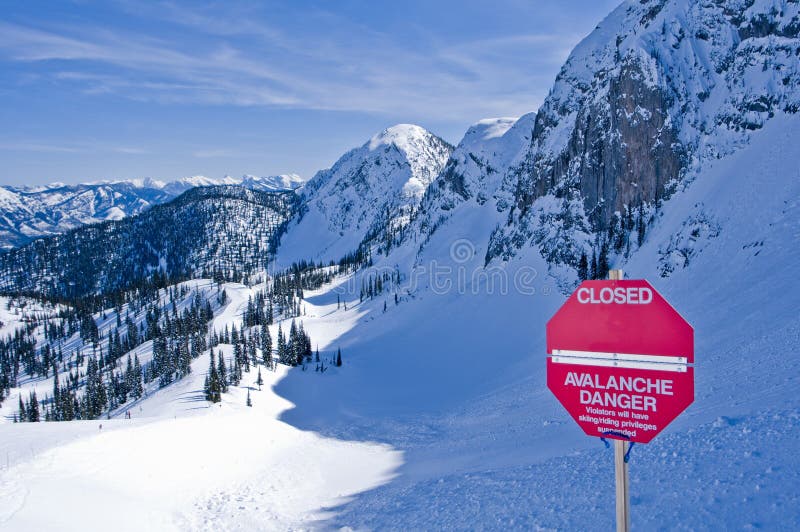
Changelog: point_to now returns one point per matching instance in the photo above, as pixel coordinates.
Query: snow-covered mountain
(28, 213)
(473, 175)
(366, 199)
(642, 105)
(658, 91)
(32, 212)
(370, 193)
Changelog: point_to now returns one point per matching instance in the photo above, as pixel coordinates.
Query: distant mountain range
(27, 213)
(211, 231)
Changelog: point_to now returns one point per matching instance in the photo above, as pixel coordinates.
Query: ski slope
(180, 463)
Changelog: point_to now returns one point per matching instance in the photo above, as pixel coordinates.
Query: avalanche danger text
(630, 393)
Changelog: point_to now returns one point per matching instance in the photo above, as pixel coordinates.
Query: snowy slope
(455, 379)
(179, 462)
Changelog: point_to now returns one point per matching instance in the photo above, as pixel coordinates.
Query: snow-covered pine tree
(33, 408)
(213, 388)
(292, 346)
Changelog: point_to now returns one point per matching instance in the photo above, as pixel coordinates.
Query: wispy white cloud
(215, 153)
(367, 72)
(37, 147)
(128, 150)
(83, 147)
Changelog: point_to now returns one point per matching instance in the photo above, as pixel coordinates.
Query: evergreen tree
(251, 347)
(237, 353)
(339, 357)
(33, 408)
(602, 261)
(130, 378)
(266, 346)
(640, 226)
(583, 267)
(102, 397)
(249, 402)
(138, 389)
(282, 354)
(222, 374)
(56, 395)
(235, 376)
(293, 345)
(212, 386)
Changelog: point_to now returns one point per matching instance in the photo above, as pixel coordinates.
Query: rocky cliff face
(656, 90)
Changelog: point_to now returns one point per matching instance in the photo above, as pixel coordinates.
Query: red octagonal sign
(620, 359)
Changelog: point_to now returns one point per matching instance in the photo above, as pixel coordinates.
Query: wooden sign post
(621, 479)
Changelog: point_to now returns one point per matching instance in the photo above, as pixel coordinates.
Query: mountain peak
(371, 190)
(400, 135)
(485, 130)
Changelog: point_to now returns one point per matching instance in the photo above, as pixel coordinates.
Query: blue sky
(125, 89)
